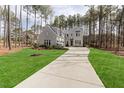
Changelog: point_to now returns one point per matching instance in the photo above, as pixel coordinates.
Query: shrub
(53, 47)
(35, 45)
(43, 46)
(57, 47)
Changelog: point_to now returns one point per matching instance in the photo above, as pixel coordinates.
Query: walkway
(71, 70)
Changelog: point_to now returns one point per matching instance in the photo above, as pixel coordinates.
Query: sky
(69, 9)
(57, 10)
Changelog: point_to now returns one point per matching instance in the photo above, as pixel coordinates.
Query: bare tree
(8, 28)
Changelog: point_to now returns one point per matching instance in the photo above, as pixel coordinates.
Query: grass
(16, 67)
(109, 67)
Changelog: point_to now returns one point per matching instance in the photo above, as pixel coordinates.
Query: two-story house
(74, 37)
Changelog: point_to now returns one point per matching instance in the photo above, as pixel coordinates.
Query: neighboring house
(74, 37)
(51, 36)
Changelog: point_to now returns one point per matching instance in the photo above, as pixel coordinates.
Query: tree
(1, 15)
(119, 18)
(15, 26)
(27, 8)
(34, 10)
(100, 24)
(56, 21)
(70, 21)
(74, 20)
(8, 28)
(62, 21)
(20, 26)
(40, 10)
(47, 10)
(5, 26)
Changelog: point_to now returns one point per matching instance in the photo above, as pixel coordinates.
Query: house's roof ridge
(55, 30)
(48, 26)
(72, 29)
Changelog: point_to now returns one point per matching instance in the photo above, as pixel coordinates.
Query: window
(77, 33)
(47, 42)
(67, 35)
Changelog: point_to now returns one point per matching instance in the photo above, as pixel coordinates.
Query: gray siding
(47, 34)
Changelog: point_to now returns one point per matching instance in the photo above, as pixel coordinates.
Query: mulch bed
(33, 55)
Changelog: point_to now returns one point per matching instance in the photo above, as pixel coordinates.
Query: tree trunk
(94, 40)
(110, 31)
(26, 39)
(100, 25)
(123, 23)
(106, 32)
(20, 27)
(119, 28)
(41, 24)
(89, 41)
(35, 22)
(5, 18)
(8, 28)
(0, 33)
(15, 26)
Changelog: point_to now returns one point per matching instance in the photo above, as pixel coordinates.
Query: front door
(71, 42)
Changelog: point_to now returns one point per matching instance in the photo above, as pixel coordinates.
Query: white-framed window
(47, 42)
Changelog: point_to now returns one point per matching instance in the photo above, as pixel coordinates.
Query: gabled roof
(75, 28)
(55, 30)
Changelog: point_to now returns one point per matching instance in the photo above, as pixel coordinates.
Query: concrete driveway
(71, 70)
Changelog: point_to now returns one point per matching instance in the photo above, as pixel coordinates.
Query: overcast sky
(69, 9)
(57, 10)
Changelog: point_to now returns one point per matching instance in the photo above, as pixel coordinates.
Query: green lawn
(109, 67)
(16, 67)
